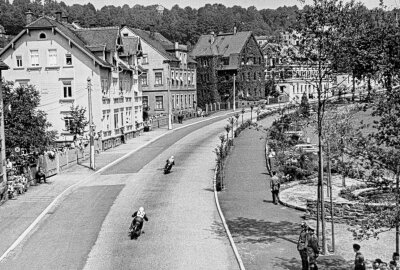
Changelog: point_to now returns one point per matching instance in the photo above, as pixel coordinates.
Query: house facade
(288, 77)
(166, 67)
(221, 57)
(63, 61)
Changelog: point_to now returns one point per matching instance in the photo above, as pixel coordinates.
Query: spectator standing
(359, 262)
(394, 264)
(302, 244)
(275, 185)
(312, 248)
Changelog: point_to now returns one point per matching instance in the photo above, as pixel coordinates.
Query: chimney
(64, 19)
(58, 16)
(176, 45)
(212, 39)
(152, 34)
(29, 17)
(234, 30)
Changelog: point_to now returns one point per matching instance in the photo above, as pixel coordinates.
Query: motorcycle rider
(170, 162)
(140, 215)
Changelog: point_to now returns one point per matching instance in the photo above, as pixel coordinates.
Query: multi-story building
(289, 77)
(166, 68)
(61, 59)
(219, 58)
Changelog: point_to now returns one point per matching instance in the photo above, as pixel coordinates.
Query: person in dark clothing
(140, 215)
(313, 248)
(302, 246)
(40, 175)
(275, 185)
(359, 262)
(394, 264)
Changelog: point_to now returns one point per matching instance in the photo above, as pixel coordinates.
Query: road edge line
(56, 199)
(59, 196)
(221, 215)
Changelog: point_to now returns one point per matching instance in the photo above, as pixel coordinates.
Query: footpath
(265, 234)
(20, 216)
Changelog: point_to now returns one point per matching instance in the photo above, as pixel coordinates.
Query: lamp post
(243, 111)
(251, 112)
(234, 92)
(91, 125)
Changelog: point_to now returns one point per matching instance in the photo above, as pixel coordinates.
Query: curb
(70, 188)
(238, 258)
(292, 206)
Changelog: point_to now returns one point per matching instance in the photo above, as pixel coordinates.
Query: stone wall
(349, 213)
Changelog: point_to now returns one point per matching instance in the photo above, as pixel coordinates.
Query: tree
(320, 47)
(304, 106)
(24, 125)
(77, 120)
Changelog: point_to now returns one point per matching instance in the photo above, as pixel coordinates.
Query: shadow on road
(328, 263)
(260, 231)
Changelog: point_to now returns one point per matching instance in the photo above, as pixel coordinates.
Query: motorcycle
(134, 229)
(168, 167)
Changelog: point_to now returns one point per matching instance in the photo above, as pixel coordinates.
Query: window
(19, 60)
(145, 59)
(122, 117)
(52, 57)
(172, 78)
(225, 61)
(158, 78)
(173, 101)
(115, 84)
(145, 101)
(116, 118)
(186, 101)
(104, 86)
(67, 89)
(181, 101)
(68, 123)
(159, 103)
(125, 34)
(42, 36)
(177, 101)
(34, 58)
(143, 79)
(68, 59)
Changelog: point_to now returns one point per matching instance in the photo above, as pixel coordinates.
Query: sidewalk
(265, 234)
(18, 214)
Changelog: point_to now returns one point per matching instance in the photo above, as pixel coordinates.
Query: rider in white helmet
(140, 215)
(171, 160)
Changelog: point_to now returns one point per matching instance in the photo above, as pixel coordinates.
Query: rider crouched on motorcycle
(171, 160)
(140, 215)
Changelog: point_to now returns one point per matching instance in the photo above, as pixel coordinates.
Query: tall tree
(25, 126)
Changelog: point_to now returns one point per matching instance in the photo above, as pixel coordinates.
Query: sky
(259, 4)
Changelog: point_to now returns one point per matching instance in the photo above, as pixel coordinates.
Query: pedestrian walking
(302, 244)
(312, 248)
(359, 262)
(395, 264)
(275, 185)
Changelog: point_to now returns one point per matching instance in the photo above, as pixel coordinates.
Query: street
(89, 228)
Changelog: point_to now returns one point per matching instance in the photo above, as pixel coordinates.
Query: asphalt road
(89, 229)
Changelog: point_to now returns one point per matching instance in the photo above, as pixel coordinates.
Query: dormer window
(42, 36)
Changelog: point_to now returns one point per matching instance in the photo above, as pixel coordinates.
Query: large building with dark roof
(221, 56)
(58, 59)
(166, 66)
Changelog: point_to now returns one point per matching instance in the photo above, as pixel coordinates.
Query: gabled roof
(157, 41)
(3, 66)
(99, 36)
(221, 45)
(49, 23)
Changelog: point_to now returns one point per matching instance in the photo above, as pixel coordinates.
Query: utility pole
(234, 92)
(91, 125)
(169, 99)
